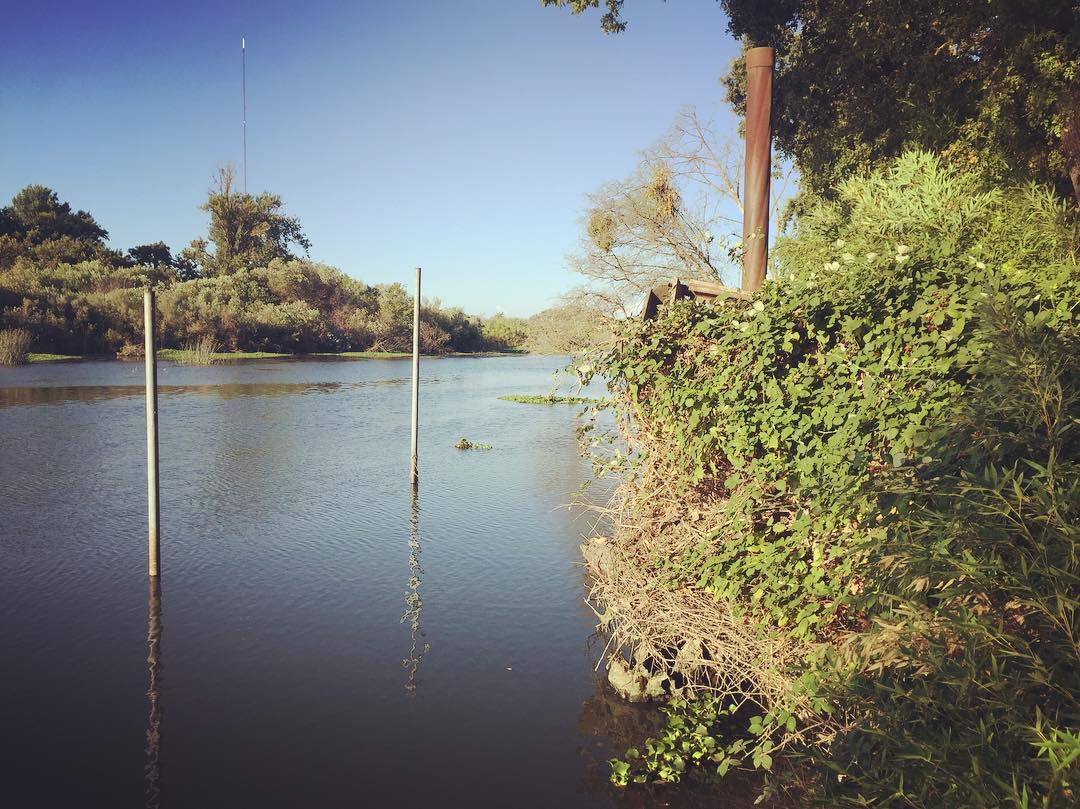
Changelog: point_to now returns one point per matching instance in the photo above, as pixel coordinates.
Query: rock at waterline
(636, 684)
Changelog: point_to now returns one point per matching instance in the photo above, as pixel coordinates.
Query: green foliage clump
(989, 85)
(465, 443)
(883, 445)
(548, 400)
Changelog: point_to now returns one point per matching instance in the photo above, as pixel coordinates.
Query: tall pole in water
(153, 539)
(413, 471)
(243, 96)
(759, 70)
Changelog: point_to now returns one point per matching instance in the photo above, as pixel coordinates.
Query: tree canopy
(37, 224)
(992, 84)
(245, 230)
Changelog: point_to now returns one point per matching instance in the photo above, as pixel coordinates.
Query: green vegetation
(33, 357)
(181, 355)
(14, 346)
(367, 355)
(465, 443)
(990, 86)
(550, 399)
(847, 543)
(202, 351)
(243, 289)
(850, 550)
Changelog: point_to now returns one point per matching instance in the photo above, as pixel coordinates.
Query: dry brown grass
(673, 627)
(15, 346)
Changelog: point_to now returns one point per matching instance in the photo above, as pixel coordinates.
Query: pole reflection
(152, 769)
(414, 604)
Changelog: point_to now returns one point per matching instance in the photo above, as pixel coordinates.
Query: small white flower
(980, 265)
(900, 259)
(848, 258)
(871, 256)
(833, 265)
(901, 249)
(839, 243)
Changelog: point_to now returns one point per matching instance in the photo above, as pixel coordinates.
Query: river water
(321, 637)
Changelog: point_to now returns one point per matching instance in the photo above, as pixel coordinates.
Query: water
(322, 638)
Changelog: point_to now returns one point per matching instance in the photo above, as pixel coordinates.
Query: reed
(198, 352)
(15, 346)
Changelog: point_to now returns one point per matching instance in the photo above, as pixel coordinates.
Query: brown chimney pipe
(759, 70)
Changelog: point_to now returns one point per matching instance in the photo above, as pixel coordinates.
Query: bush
(15, 346)
(840, 533)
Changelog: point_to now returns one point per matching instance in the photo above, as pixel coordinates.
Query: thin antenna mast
(243, 93)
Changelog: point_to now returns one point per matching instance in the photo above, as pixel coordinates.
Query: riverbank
(845, 547)
(177, 354)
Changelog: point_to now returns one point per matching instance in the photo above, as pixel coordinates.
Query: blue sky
(459, 135)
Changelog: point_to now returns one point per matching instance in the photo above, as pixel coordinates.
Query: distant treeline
(248, 286)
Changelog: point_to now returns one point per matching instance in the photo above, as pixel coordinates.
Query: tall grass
(198, 352)
(15, 346)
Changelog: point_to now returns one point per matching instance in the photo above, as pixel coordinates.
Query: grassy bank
(52, 357)
(179, 354)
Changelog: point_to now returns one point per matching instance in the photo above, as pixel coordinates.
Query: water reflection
(152, 769)
(414, 605)
(14, 396)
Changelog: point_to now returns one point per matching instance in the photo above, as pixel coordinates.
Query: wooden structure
(682, 289)
(759, 71)
(759, 74)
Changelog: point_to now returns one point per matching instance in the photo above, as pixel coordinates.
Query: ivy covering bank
(848, 545)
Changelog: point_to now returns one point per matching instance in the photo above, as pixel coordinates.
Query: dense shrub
(294, 305)
(241, 289)
(862, 485)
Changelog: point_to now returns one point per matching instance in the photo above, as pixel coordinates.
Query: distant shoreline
(172, 354)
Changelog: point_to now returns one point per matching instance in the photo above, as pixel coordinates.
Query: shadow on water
(16, 396)
(609, 726)
(414, 604)
(153, 695)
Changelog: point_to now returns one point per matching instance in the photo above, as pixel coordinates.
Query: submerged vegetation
(550, 399)
(34, 357)
(465, 443)
(848, 549)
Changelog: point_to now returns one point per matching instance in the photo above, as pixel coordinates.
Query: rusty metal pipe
(759, 71)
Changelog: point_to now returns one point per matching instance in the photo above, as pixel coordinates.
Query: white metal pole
(413, 474)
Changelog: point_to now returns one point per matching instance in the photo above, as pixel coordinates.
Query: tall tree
(246, 230)
(994, 84)
(37, 215)
(38, 226)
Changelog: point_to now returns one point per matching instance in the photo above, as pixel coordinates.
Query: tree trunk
(1070, 144)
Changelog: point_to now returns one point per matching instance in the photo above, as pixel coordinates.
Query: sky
(461, 136)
